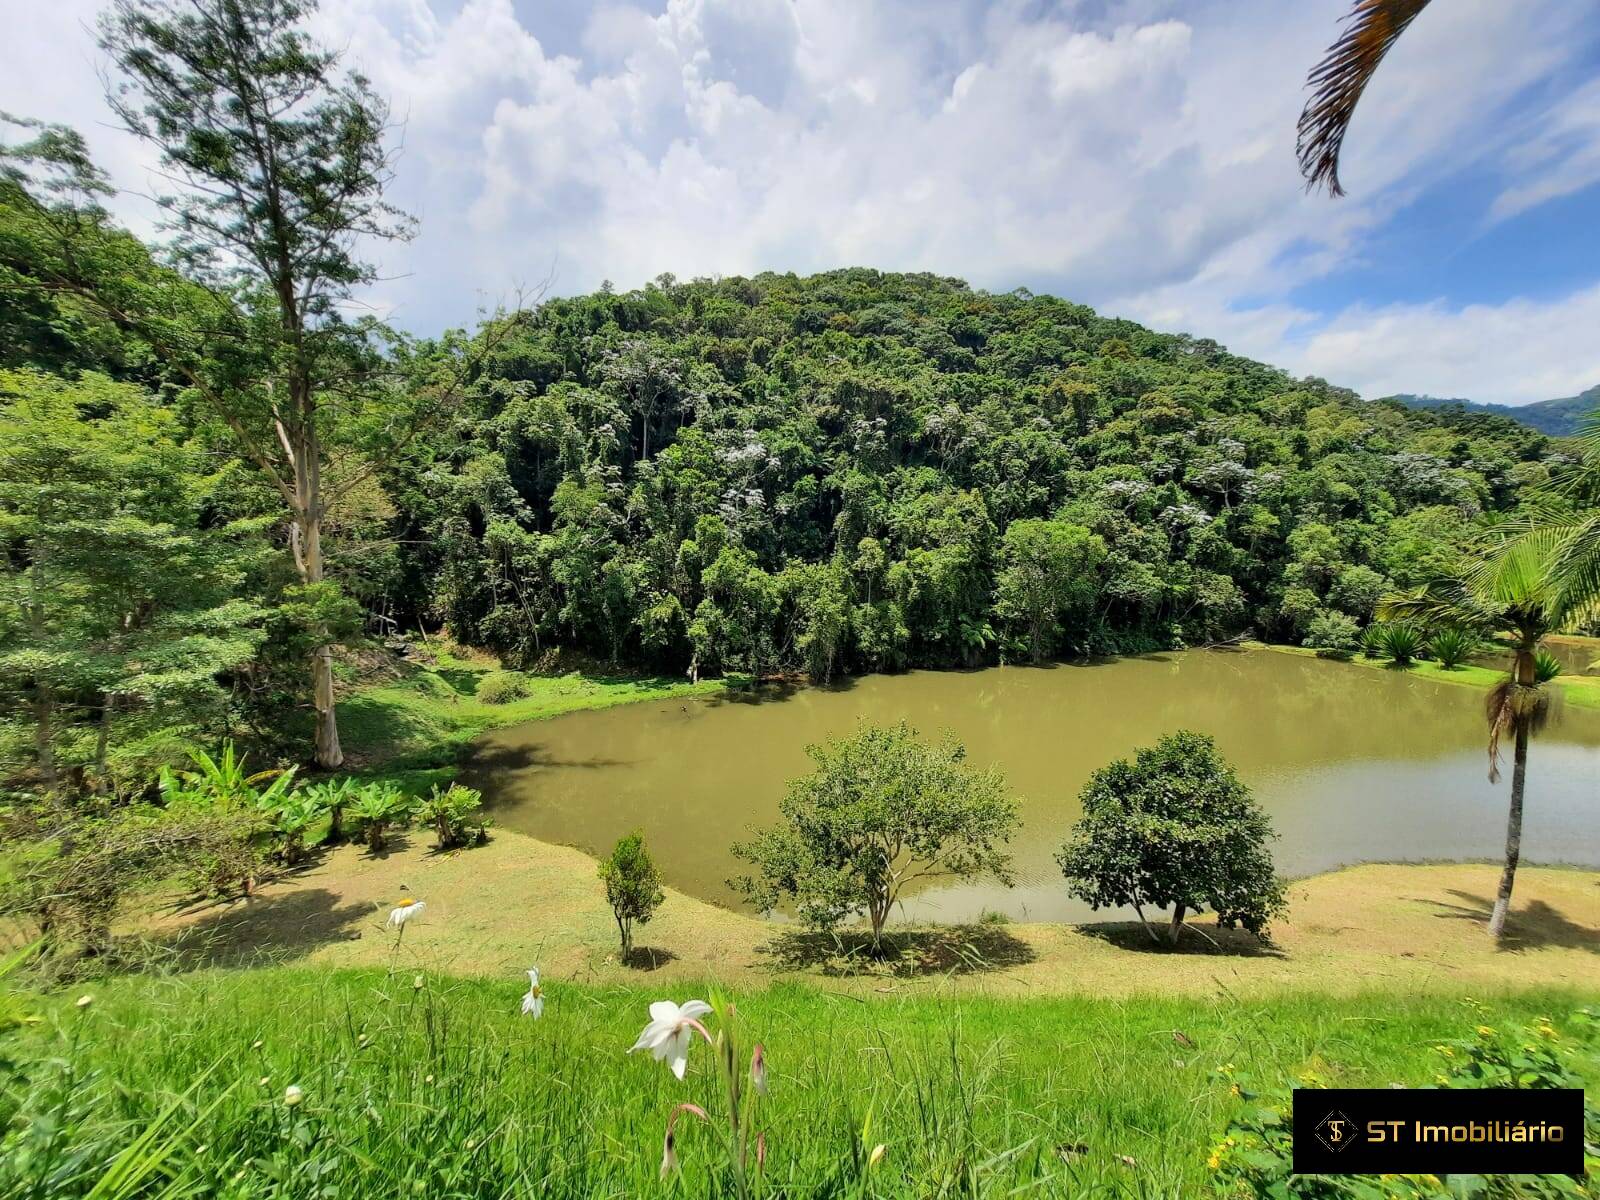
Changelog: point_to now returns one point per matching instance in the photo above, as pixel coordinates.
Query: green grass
(1580, 691)
(443, 1090)
(414, 730)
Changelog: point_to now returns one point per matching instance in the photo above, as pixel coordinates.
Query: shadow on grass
(648, 958)
(268, 930)
(943, 950)
(1528, 927)
(1214, 943)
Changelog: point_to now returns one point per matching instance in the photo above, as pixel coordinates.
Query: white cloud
(1503, 353)
(1135, 154)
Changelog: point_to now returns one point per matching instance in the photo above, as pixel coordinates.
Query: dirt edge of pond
(516, 902)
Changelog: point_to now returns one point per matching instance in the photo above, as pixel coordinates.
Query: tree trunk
(305, 533)
(44, 705)
(1508, 877)
(1176, 926)
(102, 741)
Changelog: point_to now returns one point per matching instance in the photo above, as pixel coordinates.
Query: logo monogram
(1336, 1131)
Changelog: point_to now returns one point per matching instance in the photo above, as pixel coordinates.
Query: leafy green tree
(1174, 828)
(123, 609)
(279, 164)
(883, 810)
(1048, 580)
(633, 887)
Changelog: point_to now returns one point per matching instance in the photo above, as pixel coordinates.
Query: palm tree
(1338, 81)
(1512, 592)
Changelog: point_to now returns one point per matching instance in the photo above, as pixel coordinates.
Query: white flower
(85, 1001)
(533, 1002)
(877, 1154)
(404, 911)
(669, 1033)
(292, 1095)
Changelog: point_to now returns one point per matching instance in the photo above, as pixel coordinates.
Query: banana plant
(378, 807)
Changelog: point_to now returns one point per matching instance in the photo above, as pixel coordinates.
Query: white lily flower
(533, 1002)
(404, 911)
(670, 1031)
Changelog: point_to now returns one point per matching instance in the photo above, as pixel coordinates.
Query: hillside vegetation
(861, 471)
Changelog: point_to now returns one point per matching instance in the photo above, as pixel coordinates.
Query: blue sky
(1136, 155)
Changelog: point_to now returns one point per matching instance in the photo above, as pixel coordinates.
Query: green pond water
(1353, 764)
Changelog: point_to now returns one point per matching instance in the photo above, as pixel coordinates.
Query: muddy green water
(1353, 764)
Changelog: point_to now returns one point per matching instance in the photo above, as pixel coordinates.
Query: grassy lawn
(494, 909)
(414, 729)
(416, 1084)
(1581, 691)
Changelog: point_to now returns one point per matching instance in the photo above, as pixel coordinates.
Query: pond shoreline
(496, 909)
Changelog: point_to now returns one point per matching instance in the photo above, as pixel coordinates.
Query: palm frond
(1575, 568)
(1514, 570)
(1443, 602)
(1338, 81)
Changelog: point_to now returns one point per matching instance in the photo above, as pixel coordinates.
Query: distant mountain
(1558, 418)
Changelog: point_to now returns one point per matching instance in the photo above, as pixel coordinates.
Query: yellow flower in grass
(1485, 1032)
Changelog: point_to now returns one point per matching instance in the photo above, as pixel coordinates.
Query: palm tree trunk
(1508, 877)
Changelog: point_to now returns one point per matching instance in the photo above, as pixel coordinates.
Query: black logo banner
(1366, 1131)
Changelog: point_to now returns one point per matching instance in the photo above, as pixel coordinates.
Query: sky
(1135, 155)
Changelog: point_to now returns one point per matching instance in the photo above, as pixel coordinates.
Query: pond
(1353, 764)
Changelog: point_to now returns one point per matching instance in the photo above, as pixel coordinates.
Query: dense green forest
(861, 471)
(852, 472)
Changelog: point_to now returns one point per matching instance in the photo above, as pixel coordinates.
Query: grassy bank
(422, 1085)
(414, 728)
(1580, 691)
(492, 908)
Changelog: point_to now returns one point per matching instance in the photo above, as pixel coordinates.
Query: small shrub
(334, 795)
(1451, 646)
(379, 808)
(1546, 666)
(502, 687)
(288, 816)
(1397, 641)
(1333, 635)
(453, 813)
(633, 886)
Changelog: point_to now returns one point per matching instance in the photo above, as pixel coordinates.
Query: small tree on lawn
(633, 886)
(1175, 829)
(881, 810)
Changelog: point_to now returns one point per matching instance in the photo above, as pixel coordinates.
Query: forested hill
(864, 471)
(1562, 417)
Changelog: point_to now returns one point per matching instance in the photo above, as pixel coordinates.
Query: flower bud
(758, 1069)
